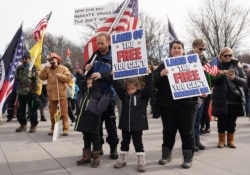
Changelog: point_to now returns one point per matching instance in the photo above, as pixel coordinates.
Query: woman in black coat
(228, 97)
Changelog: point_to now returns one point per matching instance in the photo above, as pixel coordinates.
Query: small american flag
(40, 27)
(14, 57)
(127, 22)
(212, 66)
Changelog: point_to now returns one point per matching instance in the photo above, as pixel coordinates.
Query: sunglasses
(25, 58)
(202, 49)
(229, 55)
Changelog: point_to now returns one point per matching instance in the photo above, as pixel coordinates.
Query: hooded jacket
(134, 107)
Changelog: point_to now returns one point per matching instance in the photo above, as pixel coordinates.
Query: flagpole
(118, 17)
(43, 32)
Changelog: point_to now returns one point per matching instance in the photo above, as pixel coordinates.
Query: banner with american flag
(212, 66)
(128, 21)
(40, 27)
(11, 59)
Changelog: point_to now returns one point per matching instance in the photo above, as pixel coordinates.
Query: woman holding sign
(175, 114)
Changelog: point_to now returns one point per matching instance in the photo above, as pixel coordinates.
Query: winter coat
(229, 91)
(27, 81)
(63, 78)
(89, 113)
(134, 107)
(103, 65)
(164, 96)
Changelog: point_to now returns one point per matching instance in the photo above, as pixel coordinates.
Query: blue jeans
(247, 96)
(198, 120)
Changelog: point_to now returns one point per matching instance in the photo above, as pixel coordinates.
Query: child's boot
(141, 161)
(122, 161)
(96, 159)
(86, 157)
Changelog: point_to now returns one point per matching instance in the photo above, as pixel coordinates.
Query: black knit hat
(26, 54)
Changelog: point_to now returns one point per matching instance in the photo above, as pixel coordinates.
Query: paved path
(36, 154)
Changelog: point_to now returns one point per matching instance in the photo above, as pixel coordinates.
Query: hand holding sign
(186, 76)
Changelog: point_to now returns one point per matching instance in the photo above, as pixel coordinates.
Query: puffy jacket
(134, 107)
(222, 93)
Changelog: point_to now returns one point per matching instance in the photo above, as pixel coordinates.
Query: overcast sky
(30, 12)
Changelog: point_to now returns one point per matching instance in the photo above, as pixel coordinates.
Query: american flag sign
(128, 21)
(40, 27)
(212, 66)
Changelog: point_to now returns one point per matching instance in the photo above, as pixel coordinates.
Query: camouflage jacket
(27, 80)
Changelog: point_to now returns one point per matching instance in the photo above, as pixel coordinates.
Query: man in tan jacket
(57, 77)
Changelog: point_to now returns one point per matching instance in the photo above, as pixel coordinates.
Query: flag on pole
(36, 50)
(171, 32)
(36, 53)
(128, 21)
(40, 27)
(68, 56)
(68, 52)
(212, 66)
(11, 59)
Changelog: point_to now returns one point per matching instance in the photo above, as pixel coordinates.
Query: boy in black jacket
(89, 119)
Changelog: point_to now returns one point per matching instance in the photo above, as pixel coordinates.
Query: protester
(175, 114)
(228, 97)
(43, 97)
(79, 80)
(133, 117)
(57, 77)
(70, 94)
(247, 90)
(89, 119)
(101, 69)
(153, 91)
(199, 46)
(12, 103)
(27, 78)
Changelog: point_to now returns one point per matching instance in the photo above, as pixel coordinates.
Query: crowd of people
(89, 100)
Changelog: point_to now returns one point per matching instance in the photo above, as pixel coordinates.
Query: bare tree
(156, 36)
(58, 44)
(221, 23)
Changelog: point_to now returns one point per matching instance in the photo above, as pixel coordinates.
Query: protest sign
(129, 56)
(97, 14)
(186, 76)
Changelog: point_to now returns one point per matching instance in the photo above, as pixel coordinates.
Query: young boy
(133, 118)
(88, 121)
